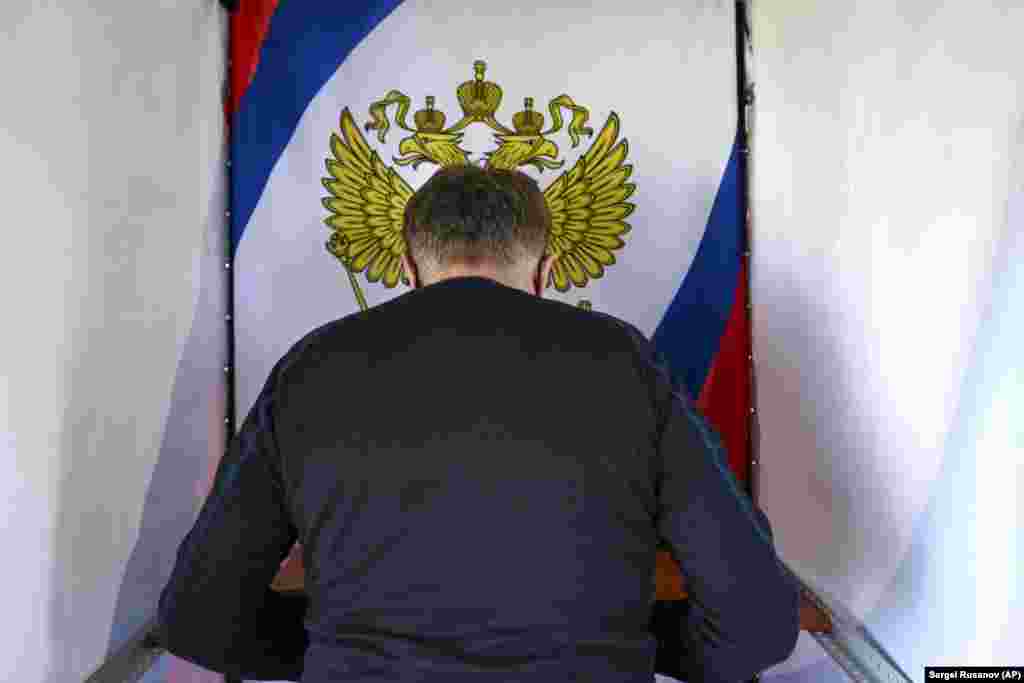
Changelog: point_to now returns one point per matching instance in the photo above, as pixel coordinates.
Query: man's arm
(743, 612)
(217, 609)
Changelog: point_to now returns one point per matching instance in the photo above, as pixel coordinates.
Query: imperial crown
(479, 98)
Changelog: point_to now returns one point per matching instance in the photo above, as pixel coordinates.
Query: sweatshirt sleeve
(743, 615)
(217, 609)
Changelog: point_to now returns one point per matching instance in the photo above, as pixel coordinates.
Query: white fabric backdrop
(885, 138)
(111, 136)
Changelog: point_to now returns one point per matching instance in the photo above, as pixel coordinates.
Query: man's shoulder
(654, 363)
(635, 335)
(611, 324)
(339, 328)
(359, 328)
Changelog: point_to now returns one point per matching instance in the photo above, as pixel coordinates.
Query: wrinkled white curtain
(888, 162)
(111, 287)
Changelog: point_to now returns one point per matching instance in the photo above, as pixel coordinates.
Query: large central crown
(479, 99)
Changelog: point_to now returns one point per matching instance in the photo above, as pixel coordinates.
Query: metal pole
(229, 303)
(744, 93)
(849, 643)
(743, 100)
(132, 659)
(229, 318)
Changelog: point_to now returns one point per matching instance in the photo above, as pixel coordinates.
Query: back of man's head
(476, 218)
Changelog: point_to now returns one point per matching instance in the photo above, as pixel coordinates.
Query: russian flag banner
(624, 113)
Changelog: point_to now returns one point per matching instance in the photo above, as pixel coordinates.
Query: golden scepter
(338, 245)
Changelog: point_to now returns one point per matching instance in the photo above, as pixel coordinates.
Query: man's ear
(544, 274)
(410, 271)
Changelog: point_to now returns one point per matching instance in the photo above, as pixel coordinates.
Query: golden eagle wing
(367, 205)
(588, 210)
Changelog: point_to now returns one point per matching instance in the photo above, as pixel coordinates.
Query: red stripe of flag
(249, 25)
(725, 398)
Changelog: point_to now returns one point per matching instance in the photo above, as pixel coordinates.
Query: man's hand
(291, 577)
(669, 586)
(668, 582)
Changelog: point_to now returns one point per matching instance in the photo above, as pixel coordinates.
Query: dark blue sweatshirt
(479, 479)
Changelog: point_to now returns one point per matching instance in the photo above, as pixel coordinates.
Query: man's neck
(491, 274)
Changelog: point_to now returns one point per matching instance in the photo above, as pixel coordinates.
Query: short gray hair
(472, 215)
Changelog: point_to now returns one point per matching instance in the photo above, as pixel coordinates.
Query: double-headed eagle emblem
(367, 198)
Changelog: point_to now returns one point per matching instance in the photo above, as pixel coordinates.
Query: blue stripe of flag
(691, 329)
(306, 42)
